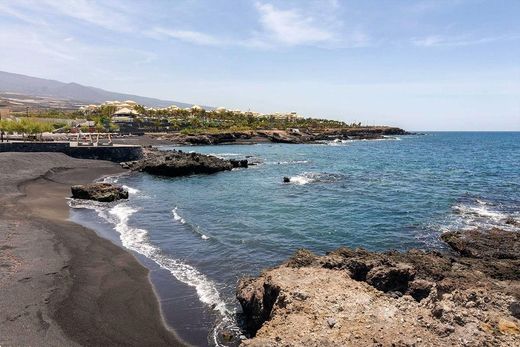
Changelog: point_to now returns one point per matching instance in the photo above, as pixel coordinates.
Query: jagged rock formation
(416, 298)
(178, 163)
(103, 192)
(282, 136)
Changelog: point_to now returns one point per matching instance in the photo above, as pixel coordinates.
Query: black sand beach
(60, 283)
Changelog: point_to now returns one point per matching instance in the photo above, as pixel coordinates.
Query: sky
(420, 65)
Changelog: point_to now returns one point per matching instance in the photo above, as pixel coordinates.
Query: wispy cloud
(460, 41)
(190, 36)
(108, 16)
(278, 28)
(292, 27)
(90, 12)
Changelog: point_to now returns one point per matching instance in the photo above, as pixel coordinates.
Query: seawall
(116, 153)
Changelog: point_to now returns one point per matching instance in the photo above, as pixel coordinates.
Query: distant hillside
(16, 83)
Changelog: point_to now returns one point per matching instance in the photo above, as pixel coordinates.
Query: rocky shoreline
(178, 163)
(294, 136)
(469, 296)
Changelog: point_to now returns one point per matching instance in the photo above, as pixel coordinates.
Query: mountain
(27, 85)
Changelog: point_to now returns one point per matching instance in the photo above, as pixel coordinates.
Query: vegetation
(191, 121)
(26, 127)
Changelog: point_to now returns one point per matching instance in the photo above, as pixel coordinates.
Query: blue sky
(421, 65)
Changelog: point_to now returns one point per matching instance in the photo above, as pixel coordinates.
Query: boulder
(239, 163)
(177, 163)
(103, 192)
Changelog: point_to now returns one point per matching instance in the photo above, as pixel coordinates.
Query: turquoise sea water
(199, 234)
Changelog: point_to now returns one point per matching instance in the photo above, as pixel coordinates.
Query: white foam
(338, 142)
(136, 240)
(480, 211)
(476, 213)
(110, 179)
(131, 190)
(287, 162)
(224, 155)
(300, 180)
(311, 177)
(177, 216)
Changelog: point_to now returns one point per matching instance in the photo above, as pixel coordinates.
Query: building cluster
(127, 114)
(128, 107)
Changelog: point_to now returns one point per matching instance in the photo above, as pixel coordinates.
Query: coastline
(62, 284)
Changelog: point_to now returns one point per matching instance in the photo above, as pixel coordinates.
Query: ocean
(198, 235)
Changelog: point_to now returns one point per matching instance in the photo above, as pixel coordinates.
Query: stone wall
(111, 153)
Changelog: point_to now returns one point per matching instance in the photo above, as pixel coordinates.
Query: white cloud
(278, 27)
(190, 36)
(459, 41)
(93, 13)
(102, 15)
(291, 27)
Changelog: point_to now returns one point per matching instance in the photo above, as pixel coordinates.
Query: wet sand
(60, 283)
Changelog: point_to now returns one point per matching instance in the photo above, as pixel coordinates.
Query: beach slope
(60, 283)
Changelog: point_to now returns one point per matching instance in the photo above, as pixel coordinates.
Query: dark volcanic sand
(60, 283)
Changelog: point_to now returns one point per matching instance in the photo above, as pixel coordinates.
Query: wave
(177, 217)
(225, 155)
(287, 162)
(136, 239)
(477, 213)
(196, 229)
(344, 142)
(114, 179)
(338, 142)
(316, 177)
(131, 190)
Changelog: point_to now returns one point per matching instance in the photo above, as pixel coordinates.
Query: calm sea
(199, 234)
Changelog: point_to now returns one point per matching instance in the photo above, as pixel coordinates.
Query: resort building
(220, 109)
(126, 120)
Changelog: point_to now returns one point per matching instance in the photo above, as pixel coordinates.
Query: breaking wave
(316, 177)
(136, 239)
(131, 190)
(177, 217)
(287, 162)
(344, 142)
(196, 229)
(473, 213)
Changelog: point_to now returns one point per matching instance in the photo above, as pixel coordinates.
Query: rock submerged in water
(103, 192)
(286, 179)
(177, 163)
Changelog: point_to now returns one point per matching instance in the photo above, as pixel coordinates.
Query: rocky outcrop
(493, 243)
(207, 138)
(294, 136)
(178, 163)
(353, 297)
(103, 192)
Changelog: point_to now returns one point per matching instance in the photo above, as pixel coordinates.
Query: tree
(6, 126)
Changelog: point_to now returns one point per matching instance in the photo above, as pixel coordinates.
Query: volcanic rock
(494, 243)
(353, 297)
(103, 192)
(177, 163)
